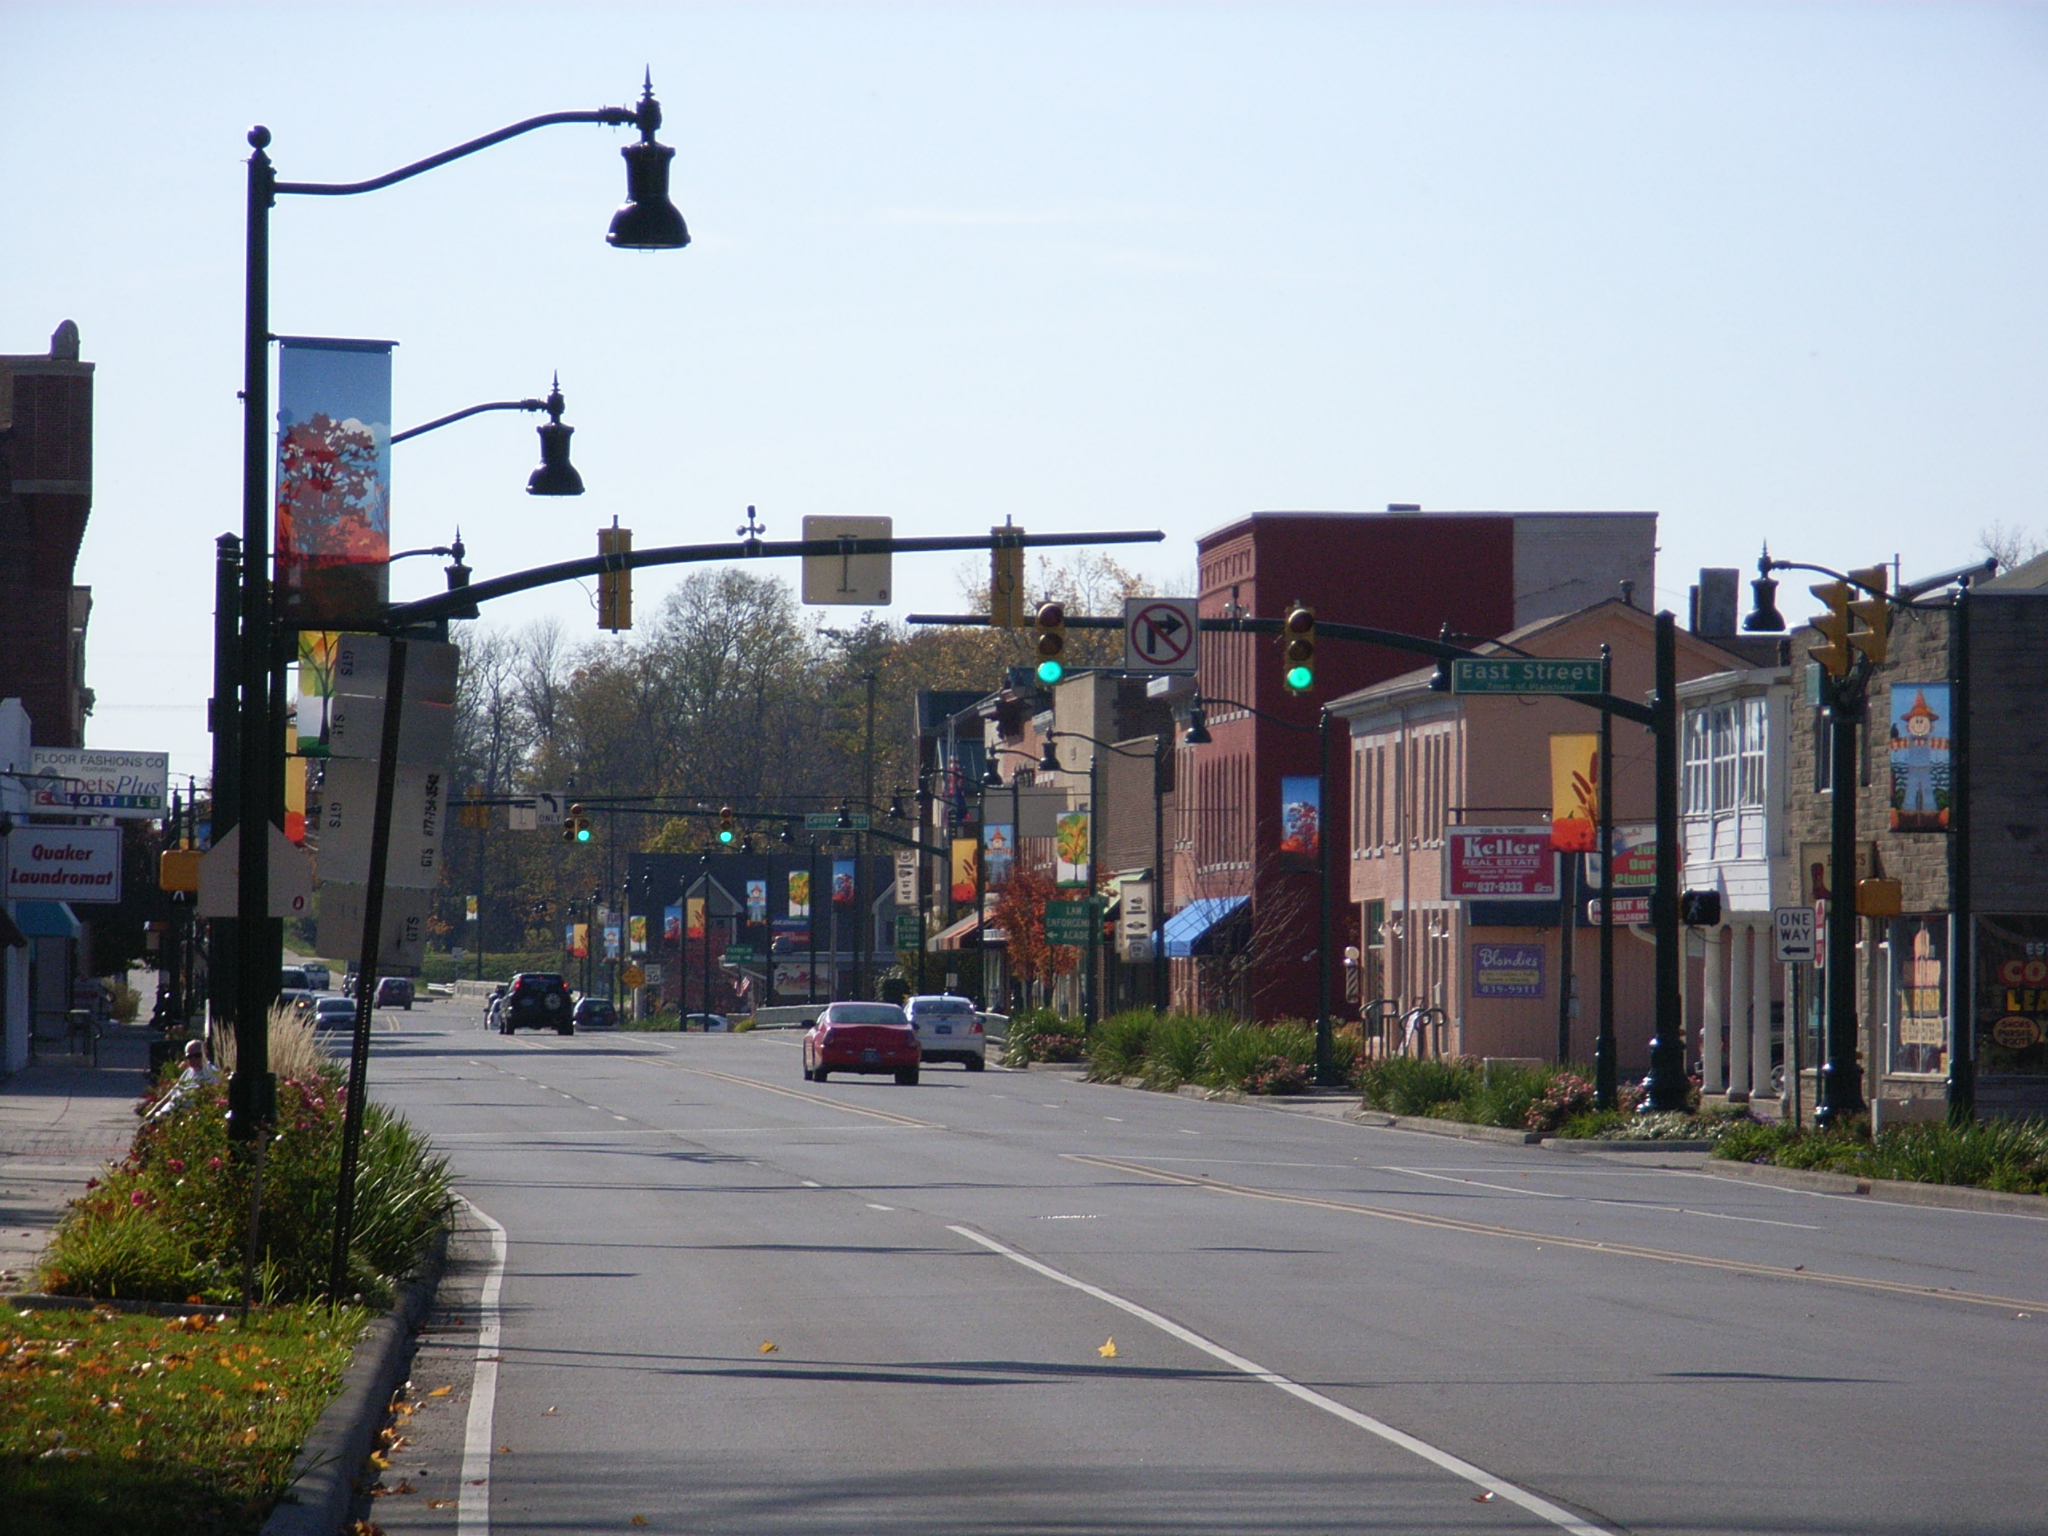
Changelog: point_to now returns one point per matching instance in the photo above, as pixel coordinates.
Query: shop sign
(1507, 970)
(1499, 864)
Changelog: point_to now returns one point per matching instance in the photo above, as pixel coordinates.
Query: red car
(861, 1037)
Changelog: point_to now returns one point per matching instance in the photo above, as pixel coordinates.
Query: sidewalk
(61, 1121)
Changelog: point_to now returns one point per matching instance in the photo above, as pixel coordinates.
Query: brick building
(45, 499)
(1476, 574)
(1979, 963)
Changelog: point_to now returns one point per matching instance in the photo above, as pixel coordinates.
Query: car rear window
(950, 1005)
(864, 1013)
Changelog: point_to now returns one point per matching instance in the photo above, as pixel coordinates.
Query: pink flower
(213, 1162)
(174, 1165)
(138, 1198)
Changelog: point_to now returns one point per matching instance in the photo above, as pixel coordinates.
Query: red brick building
(45, 498)
(1250, 945)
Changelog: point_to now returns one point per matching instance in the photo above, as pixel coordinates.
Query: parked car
(334, 1011)
(595, 1013)
(537, 1000)
(861, 1037)
(709, 1023)
(948, 1029)
(394, 992)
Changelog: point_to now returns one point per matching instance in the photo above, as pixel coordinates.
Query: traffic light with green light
(1298, 648)
(728, 828)
(1833, 625)
(576, 826)
(1050, 641)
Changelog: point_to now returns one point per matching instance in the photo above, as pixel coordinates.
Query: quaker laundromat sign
(77, 781)
(64, 864)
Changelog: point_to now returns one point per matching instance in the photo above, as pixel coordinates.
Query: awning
(47, 920)
(955, 937)
(1190, 931)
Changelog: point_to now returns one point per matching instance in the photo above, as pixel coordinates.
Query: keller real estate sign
(64, 864)
(76, 781)
(1499, 864)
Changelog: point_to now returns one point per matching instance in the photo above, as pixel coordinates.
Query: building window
(1723, 765)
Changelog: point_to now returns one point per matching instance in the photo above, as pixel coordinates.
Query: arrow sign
(1161, 634)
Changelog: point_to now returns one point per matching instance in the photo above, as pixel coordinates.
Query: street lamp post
(1162, 743)
(647, 221)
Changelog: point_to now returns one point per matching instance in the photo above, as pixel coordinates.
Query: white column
(1711, 1078)
(1760, 1007)
(1740, 1058)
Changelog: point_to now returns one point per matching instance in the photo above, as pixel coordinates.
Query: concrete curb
(1589, 1144)
(1456, 1129)
(323, 1491)
(1954, 1197)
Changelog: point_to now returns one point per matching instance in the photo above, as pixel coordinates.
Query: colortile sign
(1499, 864)
(64, 864)
(130, 786)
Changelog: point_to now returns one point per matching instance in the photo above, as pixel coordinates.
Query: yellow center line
(1583, 1244)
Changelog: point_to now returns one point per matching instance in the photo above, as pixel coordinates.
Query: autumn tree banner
(1574, 792)
(333, 480)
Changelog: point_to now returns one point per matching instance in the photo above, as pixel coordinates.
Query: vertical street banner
(579, 940)
(965, 850)
(1070, 849)
(611, 941)
(672, 924)
(998, 854)
(843, 888)
(799, 893)
(1301, 815)
(1921, 793)
(757, 901)
(333, 480)
(469, 913)
(636, 932)
(317, 650)
(1574, 792)
(695, 917)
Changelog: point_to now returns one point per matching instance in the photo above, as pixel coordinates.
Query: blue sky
(1774, 272)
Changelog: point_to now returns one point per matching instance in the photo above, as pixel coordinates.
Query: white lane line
(1239, 1162)
(1686, 1210)
(1506, 1189)
(874, 1207)
(1457, 1466)
(1186, 1132)
(810, 1184)
(473, 1509)
(618, 1117)
(1114, 1119)
(1631, 1205)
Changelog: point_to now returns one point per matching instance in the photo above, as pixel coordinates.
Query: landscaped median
(2008, 1156)
(180, 1418)
(1166, 1051)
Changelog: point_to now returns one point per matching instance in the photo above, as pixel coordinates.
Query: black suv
(539, 1000)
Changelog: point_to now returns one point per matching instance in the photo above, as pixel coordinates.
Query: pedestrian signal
(1050, 641)
(1298, 648)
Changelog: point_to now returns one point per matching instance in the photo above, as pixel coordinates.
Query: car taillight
(977, 1030)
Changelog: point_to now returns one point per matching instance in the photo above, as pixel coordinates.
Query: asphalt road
(733, 1301)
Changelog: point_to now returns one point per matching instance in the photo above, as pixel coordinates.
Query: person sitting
(199, 1073)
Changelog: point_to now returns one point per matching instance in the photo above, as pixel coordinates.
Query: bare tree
(2010, 546)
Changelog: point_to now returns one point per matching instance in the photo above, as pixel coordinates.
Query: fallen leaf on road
(1483, 1498)
(1107, 1349)
(771, 1349)
(440, 1391)
(639, 1519)
(504, 1450)
(441, 1503)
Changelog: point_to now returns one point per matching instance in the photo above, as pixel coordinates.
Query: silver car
(948, 1029)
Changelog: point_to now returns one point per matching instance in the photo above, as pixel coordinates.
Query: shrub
(1279, 1074)
(126, 1003)
(1040, 1034)
(1120, 1045)
(2009, 1155)
(1404, 1085)
(1178, 1051)
(1565, 1098)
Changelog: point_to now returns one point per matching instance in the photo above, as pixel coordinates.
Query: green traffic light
(1300, 679)
(1050, 671)
(725, 835)
(583, 834)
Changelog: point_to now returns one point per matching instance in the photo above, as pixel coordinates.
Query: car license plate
(870, 1056)
(942, 1029)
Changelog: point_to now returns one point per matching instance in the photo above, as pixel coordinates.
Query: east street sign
(1528, 674)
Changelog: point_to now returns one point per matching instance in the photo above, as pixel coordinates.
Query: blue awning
(46, 920)
(1189, 929)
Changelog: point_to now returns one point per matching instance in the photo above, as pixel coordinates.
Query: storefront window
(1919, 968)
(2012, 995)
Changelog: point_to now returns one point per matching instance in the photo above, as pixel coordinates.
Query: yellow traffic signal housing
(576, 826)
(1875, 610)
(728, 828)
(1006, 580)
(1298, 648)
(1880, 898)
(1834, 627)
(615, 586)
(1050, 641)
(177, 869)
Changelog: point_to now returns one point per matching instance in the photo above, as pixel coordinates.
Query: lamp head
(1049, 759)
(1763, 617)
(993, 778)
(1197, 733)
(648, 221)
(556, 475)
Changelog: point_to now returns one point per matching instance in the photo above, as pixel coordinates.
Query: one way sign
(1161, 635)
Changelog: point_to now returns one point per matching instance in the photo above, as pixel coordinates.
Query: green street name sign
(828, 821)
(1526, 674)
(740, 954)
(909, 931)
